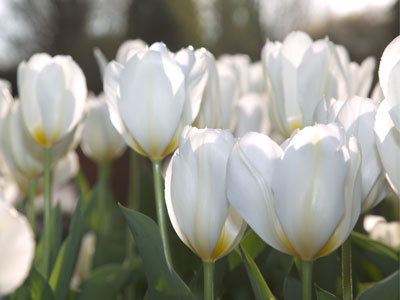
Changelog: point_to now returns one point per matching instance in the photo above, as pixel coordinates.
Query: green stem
(103, 180)
(347, 283)
(32, 196)
(45, 268)
(208, 270)
(160, 207)
(306, 279)
(133, 203)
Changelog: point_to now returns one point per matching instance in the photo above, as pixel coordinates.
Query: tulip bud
(100, 141)
(303, 198)
(381, 230)
(195, 194)
(17, 248)
(53, 94)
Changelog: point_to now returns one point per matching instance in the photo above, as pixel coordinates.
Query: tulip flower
(380, 230)
(145, 98)
(17, 248)
(317, 213)
(195, 195)
(100, 141)
(359, 76)
(389, 76)
(298, 74)
(53, 94)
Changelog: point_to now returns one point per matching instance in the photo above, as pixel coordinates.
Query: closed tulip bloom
(22, 153)
(53, 94)
(146, 97)
(302, 198)
(17, 248)
(298, 74)
(195, 194)
(389, 76)
(128, 49)
(100, 141)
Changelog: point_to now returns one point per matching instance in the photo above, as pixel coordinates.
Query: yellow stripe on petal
(223, 243)
(39, 135)
(295, 125)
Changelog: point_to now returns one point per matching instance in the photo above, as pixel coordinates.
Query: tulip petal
(151, 100)
(390, 57)
(393, 95)
(17, 249)
(388, 143)
(249, 176)
(310, 180)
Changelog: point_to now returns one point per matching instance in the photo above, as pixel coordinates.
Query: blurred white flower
(298, 74)
(100, 140)
(53, 94)
(196, 197)
(382, 231)
(85, 258)
(17, 246)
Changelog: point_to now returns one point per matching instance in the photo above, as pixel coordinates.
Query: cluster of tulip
(291, 146)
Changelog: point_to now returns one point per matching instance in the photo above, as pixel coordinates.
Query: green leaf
(106, 282)
(366, 243)
(35, 287)
(260, 287)
(65, 264)
(324, 295)
(387, 289)
(252, 243)
(163, 281)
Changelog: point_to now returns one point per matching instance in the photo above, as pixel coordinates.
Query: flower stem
(32, 196)
(306, 279)
(208, 270)
(347, 283)
(160, 207)
(45, 268)
(133, 203)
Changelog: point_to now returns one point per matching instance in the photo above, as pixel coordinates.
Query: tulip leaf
(65, 264)
(374, 246)
(387, 289)
(260, 288)
(324, 295)
(35, 287)
(107, 281)
(252, 243)
(163, 281)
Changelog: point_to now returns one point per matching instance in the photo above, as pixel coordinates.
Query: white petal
(393, 95)
(250, 114)
(17, 248)
(128, 49)
(389, 59)
(151, 101)
(249, 175)
(308, 186)
(388, 143)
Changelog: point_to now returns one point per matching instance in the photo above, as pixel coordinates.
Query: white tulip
(389, 77)
(146, 98)
(17, 246)
(303, 198)
(128, 49)
(100, 141)
(53, 94)
(195, 194)
(298, 74)
(381, 230)
(357, 115)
